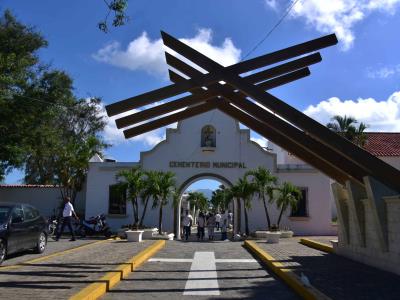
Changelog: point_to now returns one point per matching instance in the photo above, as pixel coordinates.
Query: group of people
(211, 221)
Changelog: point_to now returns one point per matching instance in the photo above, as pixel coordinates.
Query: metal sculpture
(223, 88)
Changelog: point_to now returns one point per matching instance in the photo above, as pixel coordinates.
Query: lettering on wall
(207, 164)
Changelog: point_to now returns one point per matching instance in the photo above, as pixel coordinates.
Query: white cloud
(379, 115)
(263, 142)
(383, 72)
(339, 16)
(273, 4)
(115, 136)
(148, 55)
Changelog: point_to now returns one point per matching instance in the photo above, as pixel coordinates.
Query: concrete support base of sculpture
(369, 223)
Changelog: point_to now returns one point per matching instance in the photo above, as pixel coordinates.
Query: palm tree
(245, 190)
(288, 196)
(346, 127)
(149, 180)
(265, 184)
(198, 200)
(132, 183)
(164, 188)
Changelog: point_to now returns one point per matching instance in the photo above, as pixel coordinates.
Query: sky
(359, 77)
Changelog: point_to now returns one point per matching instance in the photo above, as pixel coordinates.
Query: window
(301, 209)
(117, 200)
(30, 213)
(208, 136)
(17, 215)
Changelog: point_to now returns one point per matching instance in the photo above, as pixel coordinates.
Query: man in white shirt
(187, 224)
(217, 220)
(67, 213)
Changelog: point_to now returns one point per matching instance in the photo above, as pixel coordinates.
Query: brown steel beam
(192, 100)
(187, 113)
(282, 128)
(371, 165)
(289, 67)
(284, 142)
(206, 79)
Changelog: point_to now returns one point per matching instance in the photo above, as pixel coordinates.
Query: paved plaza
(335, 276)
(192, 269)
(201, 270)
(66, 274)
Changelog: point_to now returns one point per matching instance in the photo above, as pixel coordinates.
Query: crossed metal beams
(301, 135)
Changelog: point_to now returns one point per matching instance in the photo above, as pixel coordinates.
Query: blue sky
(360, 76)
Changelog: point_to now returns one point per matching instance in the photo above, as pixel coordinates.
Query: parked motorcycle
(52, 225)
(94, 226)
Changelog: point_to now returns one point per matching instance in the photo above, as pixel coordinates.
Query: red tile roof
(383, 143)
(28, 186)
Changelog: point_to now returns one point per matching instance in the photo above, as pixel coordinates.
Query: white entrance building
(212, 146)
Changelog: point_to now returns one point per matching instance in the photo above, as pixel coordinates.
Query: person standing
(67, 213)
(217, 220)
(201, 223)
(223, 231)
(211, 226)
(187, 224)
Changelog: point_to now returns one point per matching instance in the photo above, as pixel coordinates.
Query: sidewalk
(335, 276)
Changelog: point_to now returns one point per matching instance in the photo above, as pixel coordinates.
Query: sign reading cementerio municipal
(207, 164)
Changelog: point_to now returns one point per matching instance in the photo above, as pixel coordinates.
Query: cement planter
(134, 235)
(286, 234)
(148, 233)
(273, 237)
(261, 234)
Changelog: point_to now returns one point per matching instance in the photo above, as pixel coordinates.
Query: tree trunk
(144, 210)
(136, 211)
(266, 213)
(246, 220)
(160, 220)
(239, 217)
(280, 216)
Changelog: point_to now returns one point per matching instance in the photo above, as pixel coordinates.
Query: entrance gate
(358, 174)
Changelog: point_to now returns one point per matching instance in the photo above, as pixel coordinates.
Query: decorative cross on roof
(246, 99)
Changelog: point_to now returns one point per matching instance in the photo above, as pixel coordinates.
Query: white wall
(232, 145)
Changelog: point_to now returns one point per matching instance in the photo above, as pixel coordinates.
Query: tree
(19, 64)
(164, 188)
(287, 196)
(40, 118)
(346, 127)
(149, 186)
(198, 200)
(132, 183)
(244, 191)
(264, 183)
(118, 8)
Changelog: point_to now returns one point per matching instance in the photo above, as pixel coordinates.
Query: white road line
(202, 278)
(220, 260)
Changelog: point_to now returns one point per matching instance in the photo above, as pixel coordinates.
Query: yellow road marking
(317, 245)
(43, 258)
(110, 279)
(287, 275)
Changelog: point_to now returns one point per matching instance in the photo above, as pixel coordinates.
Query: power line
(272, 29)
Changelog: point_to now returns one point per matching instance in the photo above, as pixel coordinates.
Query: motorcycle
(94, 226)
(52, 225)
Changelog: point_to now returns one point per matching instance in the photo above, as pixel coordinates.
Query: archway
(185, 185)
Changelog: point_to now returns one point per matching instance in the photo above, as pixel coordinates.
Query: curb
(105, 283)
(46, 257)
(317, 245)
(288, 276)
